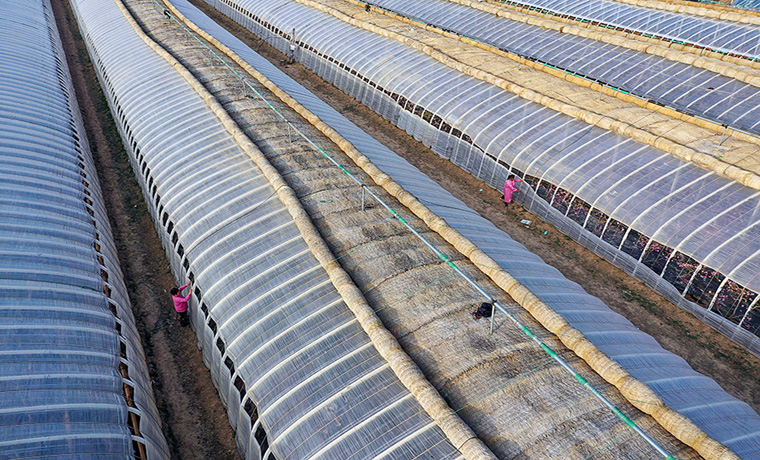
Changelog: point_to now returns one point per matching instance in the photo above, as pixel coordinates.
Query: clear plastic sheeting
(297, 373)
(688, 89)
(722, 36)
(697, 397)
(748, 4)
(73, 378)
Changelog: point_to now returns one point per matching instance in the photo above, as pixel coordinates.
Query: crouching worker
(485, 310)
(180, 303)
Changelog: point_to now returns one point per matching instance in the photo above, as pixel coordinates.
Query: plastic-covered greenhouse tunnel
(73, 378)
(333, 282)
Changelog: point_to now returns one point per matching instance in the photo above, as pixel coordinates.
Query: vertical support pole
(749, 309)
(290, 139)
(493, 315)
(363, 193)
(723, 136)
(293, 46)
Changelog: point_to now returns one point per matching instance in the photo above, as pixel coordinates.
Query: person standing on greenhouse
(510, 189)
(180, 303)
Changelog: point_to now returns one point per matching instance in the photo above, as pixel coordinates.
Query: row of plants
(700, 284)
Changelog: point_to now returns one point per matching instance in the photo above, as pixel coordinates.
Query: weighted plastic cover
(687, 232)
(688, 89)
(715, 34)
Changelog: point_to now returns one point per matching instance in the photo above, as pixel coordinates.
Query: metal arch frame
(260, 378)
(518, 105)
(729, 275)
(548, 152)
(304, 417)
(237, 336)
(666, 197)
(308, 380)
(321, 452)
(240, 268)
(568, 152)
(655, 235)
(675, 171)
(652, 237)
(516, 157)
(701, 264)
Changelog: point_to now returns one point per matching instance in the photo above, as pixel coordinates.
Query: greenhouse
(582, 310)
(73, 378)
(691, 90)
(722, 36)
(749, 4)
(307, 357)
(686, 231)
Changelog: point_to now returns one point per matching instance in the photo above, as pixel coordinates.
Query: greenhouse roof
(715, 34)
(691, 209)
(288, 355)
(70, 355)
(686, 88)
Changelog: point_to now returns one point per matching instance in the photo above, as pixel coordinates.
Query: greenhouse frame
(687, 232)
(73, 378)
(724, 37)
(299, 374)
(748, 4)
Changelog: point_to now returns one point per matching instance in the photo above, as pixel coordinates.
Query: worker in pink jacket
(509, 188)
(180, 303)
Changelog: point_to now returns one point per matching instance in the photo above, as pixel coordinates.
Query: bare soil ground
(706, 350)
(194, 421)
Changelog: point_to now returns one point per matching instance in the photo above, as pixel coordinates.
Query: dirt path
(194, 421)
(707, 351)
